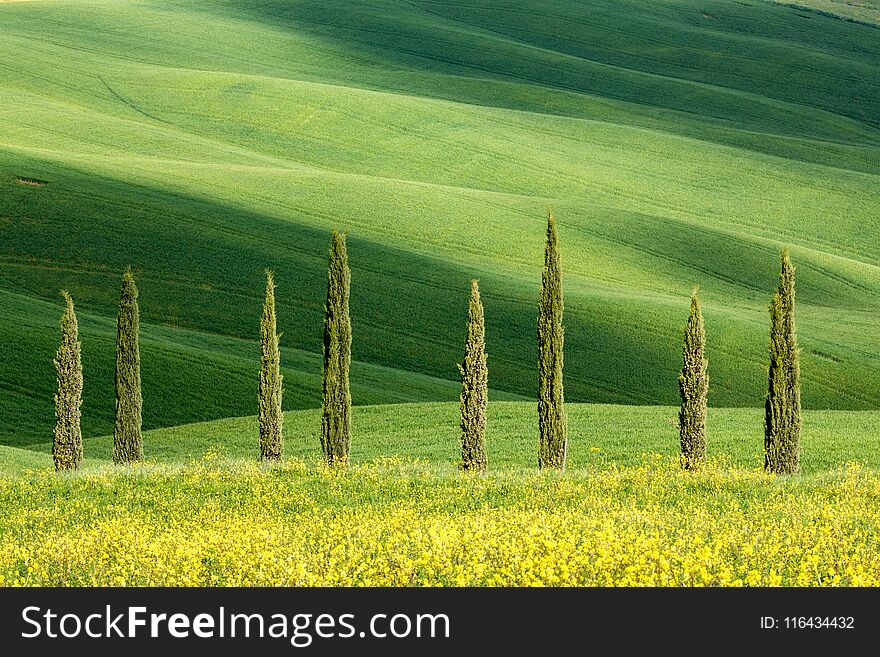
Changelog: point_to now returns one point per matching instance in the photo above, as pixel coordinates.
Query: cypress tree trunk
(67, 449)
(782, 410)
(693, 384)
(127, 441)
(336, 406)
(271, 417)
(474, 388)
(553, 440)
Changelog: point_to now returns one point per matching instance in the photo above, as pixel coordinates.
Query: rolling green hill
(678, 142)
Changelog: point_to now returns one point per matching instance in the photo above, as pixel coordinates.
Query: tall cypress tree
(782, 410)
(67, 451)
(127, 440)
(336, 406)
(553, 439)
(474, 388)
(271, 417)
(693, 384)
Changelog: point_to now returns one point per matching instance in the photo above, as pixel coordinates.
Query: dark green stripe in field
(679, 143)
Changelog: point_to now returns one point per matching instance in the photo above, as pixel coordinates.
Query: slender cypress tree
(474, 388)
(693, 384)
(336, 406)
(782, 411)
(127, 440)
(67, 451)
(271, 417)
(553, 440)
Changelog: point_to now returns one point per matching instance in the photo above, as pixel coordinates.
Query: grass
(600, 435)
(678, 143)
(867, 11)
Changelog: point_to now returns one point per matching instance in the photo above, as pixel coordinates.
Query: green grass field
(600, 435)
(679, 143)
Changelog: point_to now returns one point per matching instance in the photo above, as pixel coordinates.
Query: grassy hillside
(600, 434)
(679, 143)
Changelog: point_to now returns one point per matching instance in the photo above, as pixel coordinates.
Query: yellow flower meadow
(221, 523)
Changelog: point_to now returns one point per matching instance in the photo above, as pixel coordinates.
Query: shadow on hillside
(667, 66)
(199, 267)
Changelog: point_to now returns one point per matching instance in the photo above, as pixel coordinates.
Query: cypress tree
(474, 388)
(127, 440)
(693, 384)
(336, 405)
(67, 451)
(553, 440)
(271, 417)
(782, 410)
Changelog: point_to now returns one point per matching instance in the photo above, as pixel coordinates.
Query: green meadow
(679, 143)
(600, 435)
